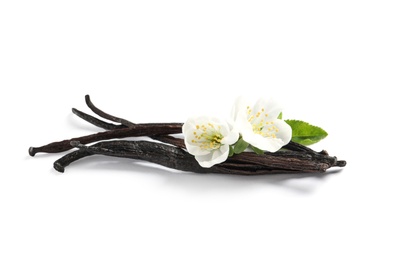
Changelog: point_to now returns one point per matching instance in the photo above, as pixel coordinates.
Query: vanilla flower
(259, 125)
(208, 139)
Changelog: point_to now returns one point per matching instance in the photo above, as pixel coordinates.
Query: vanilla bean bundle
(170, 151)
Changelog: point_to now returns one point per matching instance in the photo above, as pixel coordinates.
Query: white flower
(260, 126)
(208, 139)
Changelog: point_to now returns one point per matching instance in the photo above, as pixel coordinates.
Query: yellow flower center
(207, 137)
(260, 123)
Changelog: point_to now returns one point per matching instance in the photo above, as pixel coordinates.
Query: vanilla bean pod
(133, 131)
(96, 121)
(324, 162)
(125, 129)
(124, 123)
(176, 158)
(108, 126)
(106, 115)
(243, 164)
(293, 158)
(159, 153)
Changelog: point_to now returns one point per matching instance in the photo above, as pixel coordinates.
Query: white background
(331, 63)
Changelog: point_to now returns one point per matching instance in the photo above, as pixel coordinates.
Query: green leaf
(240, 146)
(304, 133)
(280, 115)
(231, 151)
(257, 150)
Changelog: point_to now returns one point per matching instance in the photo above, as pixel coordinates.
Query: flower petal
(264, 143)
(259, 125)
(215, 157)
(231, 138)
(194, 149)
(241, 123)
(239, 107)
(285, 131)
(208, 139)
(271, 108)
(188, 129)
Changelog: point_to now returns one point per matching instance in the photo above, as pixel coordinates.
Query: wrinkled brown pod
(170, 152)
